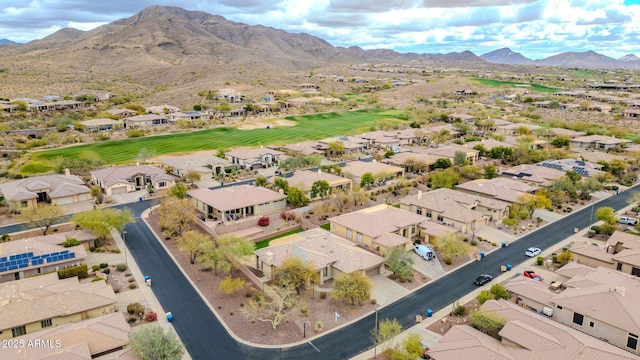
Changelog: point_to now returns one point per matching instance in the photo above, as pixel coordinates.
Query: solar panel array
(580, 170)
(551, 166)
(23, 260)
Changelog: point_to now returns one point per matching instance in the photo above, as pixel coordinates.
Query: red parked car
(264, 221)
(532, 275)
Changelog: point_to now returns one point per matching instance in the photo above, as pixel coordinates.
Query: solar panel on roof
(2, 259)
(72, 255)
(64, 252)
(3, 269)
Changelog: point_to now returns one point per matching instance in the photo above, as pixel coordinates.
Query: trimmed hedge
(80, 271)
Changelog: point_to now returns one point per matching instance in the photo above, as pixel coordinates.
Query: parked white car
(627, 220)
(533, 251)
(424, 252)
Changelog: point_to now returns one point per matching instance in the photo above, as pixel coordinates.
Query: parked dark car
(483, 279)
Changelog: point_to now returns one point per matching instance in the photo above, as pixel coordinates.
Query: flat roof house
(597, 142)
(234, 202)
(54, 189)
(330, 255)
(378, 227)
(124, 179)
(36, 303)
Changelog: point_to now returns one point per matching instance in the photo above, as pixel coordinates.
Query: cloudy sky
(535, 28)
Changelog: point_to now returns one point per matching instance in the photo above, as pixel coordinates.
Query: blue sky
(536, 29)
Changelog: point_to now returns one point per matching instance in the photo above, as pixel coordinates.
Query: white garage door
(119, 190)
(64, 200)
(82, 197)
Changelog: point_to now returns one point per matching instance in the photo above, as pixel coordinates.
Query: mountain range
(587, 59)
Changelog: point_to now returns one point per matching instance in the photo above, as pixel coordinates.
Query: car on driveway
(532, 275)
(533, 251)
(483, 279)
(424, 252)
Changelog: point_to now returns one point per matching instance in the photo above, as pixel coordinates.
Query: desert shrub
(304, 309)
(6, 237)
(71, 242)
(459, 310)
(494, 244)
(230, 285)
(106, 270)
(539, 260)
(98, 279)
(591, 233)
(499, 292)
(103, 265)
(151, 316)
(479, 238)
(319, 326)
(95, 267)
(131, 320)
(135, 308)
(448, 261)
(121, 267)
(483, 296)
(80, 271)
(323, 295)
(596, 229)
(132, 286)
(474, 243)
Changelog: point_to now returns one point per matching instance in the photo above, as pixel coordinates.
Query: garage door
(83, 197)
(119, 190)
(373, 272)
(64, 200)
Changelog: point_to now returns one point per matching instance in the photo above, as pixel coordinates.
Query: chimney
(620, 289)
(419, 195)
(269, 256)
(67, 172)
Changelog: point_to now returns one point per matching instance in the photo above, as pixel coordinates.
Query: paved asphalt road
(206, 338)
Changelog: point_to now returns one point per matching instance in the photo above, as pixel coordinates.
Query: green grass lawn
(309, 127)
(265, 243)
(513, 84)
(326, 226)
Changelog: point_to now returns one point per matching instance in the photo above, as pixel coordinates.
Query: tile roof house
(414, 163)
(121, 113)
(330, 255)
(257, 158)
(88, 339)
(161, 109)
(303, 149)
(378, 227)
(124, 179)
(621, 252)
(145, 120)
(54, 189)
(463, 212)
(597, 142)
(101, 124)
(304, 180)
(234, 202)
(382, 139)
(38, 255)
(533, 174)
(32, 304)
(595, 156)
(602, 303)
(559, 132)
(355, 170)
(503, 189)
(583, 168)
(525, 336)
(488, 144)
(208, 166)
(449, 151)
(351, 144)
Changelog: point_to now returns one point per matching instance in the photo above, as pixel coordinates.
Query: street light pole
(304, 329)
(375, 340)
(126, 263)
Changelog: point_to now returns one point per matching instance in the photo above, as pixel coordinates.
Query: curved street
(206, 338)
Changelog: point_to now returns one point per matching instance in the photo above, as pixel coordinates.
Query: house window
(325, 272)
(46, 323)
(162, 184)
(592, 324)
(413, 230)
(21, 330)
(578, 318)
(419, 211)
(558, 307)
(349, 234)
(619, 266)
(632, 341)
(428, 214)
(332, 227)
(359, 238)
(440, 218)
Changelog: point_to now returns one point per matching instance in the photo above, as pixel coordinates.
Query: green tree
(354, 289)
(617, 167)
(176, 217)
(192, 176)
(296, 197)
(490, 172)
(607, 215)
(564, 257)
(533, 202)
(366, 180)
(178, 191)
(440, 137)
(443, 163)
(261, 181)
(191, 243)
(281, 184)
(450, 245)
(336, 148)
(412, 346)
(102, 221)
(213, 256)
(235, 249)
(144, 154)
(444, 179)
(587, 186)
(498, 292)
(230, 285)
(387, 331)
(562, 141)
(154, 343)
(400, 263)
(296, 273)
(71, 242)
(573, 176)
(459, 158)
(320, 188)
(43, 216)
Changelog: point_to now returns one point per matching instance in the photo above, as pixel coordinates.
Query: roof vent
(268, 255)
(620, 289)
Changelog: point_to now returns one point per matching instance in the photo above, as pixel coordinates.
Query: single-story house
(355, 170)
(449, 152)
(36, 303)
(533, 174)
(55, 189)
(305, 179)
(145, 120)
(207, 166)
(583, 168)
(597, 142)
(124, 179)
(257, 158)
(188, 115)
(621, 252)
(351, 144)
(121, 113)
(161, 109)
(465, 118)
(378, 227)
(101, 124)
(501, 188)
(570, 134)
(412, 162)
(382, 139)
(234, 202)
(303, 149)
(330, 255)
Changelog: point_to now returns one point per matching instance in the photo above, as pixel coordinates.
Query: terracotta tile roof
(359, 168)
(44, 297)
(574, 268)
(321, 248)
(235, 197)
(445, 202)
(304, 179)
(434, 229)
(198, 163)
(539, 175)
(488, 144)
(391, 240)
(588, 250)
(465, 342)
(531, 289)
(627, 256)
(626, 240)
(600, 139)
(499, 188)
(377, 220)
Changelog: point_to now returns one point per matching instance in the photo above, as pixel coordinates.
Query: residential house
(449, 207)
(34, 256)
(230, 95)
(430, 230)
(488, 144)
(96, 338)
(602, 303)
(536, 144)
(583, 168)
(632, 113)
(330, 255)
(597, 142)
(86, 238)
(145, 120)
(384, 140)
(305, 179)
(449, 152)
(54, 189)
(569, 134)
(412, 162)
(447, 127)
(621, 251)
(161, 109)
(36, 303)
(351, 144)
(597, 156)
(514, 128)
(188, 116)
(121, 113)
(533, 174)
(525, 336)
(101, 124)
(124, 179)
(256, 158)
(378, 227)
(503, 189)
(304, 148)
(382, 172)
(234, 202)
(208, 166)
(465, 118)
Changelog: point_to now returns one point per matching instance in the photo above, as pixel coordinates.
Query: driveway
(385, 290)
(429, 268)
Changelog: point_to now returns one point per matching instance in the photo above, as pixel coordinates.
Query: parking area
(429, 268)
